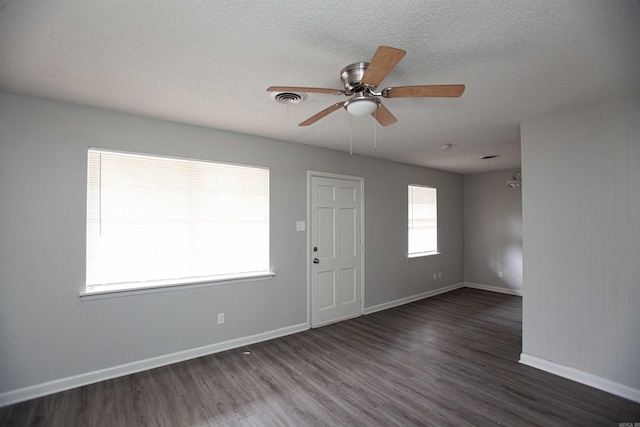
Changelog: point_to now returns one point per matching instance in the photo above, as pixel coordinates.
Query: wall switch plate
(434, 276)
(300, 226)
(220, 318)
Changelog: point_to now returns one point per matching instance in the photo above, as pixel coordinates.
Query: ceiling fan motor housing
(351, 76)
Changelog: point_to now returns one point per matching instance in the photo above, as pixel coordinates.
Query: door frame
(360, 181)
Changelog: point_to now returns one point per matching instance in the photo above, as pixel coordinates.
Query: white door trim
(359, 180)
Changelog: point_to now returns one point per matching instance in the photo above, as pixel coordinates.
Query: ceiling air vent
(289, 97)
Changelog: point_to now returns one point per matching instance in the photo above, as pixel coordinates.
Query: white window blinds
(423, 221)
(154, 219)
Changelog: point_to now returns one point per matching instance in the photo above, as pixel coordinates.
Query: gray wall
(47, 333)
(581, 218)
(492, 231)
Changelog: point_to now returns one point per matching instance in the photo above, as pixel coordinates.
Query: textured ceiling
(209, 62)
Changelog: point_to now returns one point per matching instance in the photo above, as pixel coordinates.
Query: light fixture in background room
(361, 106)
(515, 181)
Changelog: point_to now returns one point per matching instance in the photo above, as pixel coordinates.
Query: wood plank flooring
(451, 360)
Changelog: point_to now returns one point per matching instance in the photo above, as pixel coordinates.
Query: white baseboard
(493, 288)
(581, 377)
(63, 384)
(407, 300)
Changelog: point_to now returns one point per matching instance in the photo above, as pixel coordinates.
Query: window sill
(116, 291)
(413, 257)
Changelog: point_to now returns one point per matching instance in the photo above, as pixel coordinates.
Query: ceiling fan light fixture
(361, 106)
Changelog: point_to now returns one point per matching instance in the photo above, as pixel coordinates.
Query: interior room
(511, 129)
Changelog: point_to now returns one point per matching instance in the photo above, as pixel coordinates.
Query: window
(156, 221)
(423, 221)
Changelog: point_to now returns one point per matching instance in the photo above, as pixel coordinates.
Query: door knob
(316, 261)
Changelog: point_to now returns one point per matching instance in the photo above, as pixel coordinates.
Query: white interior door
(336, 249)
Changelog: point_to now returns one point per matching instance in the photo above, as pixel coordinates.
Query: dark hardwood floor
(447, 360)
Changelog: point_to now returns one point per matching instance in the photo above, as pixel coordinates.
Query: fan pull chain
(375, 136)
(100, 197)
(350, 134)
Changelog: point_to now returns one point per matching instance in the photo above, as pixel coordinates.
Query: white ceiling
(209, 63)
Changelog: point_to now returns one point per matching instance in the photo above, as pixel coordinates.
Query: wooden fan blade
(311, 120)
(305, 89)
(452, 91)
(384, 116)
(384, 60)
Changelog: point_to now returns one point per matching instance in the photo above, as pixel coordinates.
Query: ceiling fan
(360, 82)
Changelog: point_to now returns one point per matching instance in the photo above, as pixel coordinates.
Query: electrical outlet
(439, 274)
(220, 318)
(434, 276)
(500, 273)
